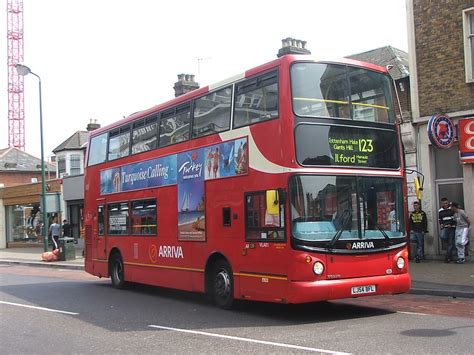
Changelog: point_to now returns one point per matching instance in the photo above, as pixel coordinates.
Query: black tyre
(223, 285)
(117, 274)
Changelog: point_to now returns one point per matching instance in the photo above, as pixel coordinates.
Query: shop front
(446, 155)
(73, 194)
(23, 219)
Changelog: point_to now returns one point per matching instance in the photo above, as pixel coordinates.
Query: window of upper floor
(468, 24)
(61, 165)
(75, 164)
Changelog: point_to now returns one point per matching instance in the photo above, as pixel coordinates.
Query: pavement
(430, 277)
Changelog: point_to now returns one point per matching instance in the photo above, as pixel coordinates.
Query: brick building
(18, 167)
(441, 58)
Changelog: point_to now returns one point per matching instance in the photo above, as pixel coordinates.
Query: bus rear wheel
(117, 275)
(223, 285)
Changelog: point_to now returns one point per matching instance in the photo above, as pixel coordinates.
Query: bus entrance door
(100, 240)
(263, 271)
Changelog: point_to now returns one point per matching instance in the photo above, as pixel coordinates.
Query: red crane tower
(16, 102)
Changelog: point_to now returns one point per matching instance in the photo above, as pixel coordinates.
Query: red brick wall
(17, 178)
(442, 83)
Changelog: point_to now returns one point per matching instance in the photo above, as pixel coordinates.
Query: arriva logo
(167, 251)
(360, 245)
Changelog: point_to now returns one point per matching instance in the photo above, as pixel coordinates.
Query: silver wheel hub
(222, 284)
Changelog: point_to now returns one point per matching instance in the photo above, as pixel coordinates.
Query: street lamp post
(24, 70)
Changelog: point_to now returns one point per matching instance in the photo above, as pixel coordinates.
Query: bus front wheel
(223, 285)
(117, 275)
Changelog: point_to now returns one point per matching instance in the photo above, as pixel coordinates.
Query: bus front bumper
(321, 290)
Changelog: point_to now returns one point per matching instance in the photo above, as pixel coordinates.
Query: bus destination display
(351, 151)
(318, 144)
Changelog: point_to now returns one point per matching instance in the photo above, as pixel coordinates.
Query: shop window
(447, 163)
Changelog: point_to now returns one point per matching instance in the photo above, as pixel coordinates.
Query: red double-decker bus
(282, 184)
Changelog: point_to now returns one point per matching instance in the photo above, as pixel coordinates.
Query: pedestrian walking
(418, 225)
(447, 225)
(55, 232)
(462, 229)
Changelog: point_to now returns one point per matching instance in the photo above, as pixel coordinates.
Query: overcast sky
(105, 59)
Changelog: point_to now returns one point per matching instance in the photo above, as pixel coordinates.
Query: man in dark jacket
(447, 226)
(418, 224)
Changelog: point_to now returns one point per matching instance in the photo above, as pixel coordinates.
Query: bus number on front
(365, 145)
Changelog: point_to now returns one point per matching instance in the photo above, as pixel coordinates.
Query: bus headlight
(318, 268)
(400, 262)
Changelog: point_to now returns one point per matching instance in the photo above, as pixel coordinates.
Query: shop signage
(441, 131)
(466, 140)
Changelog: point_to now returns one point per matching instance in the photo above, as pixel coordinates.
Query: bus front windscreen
(340, 91)
(334, 211)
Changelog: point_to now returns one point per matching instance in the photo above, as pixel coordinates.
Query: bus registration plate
(357, 290)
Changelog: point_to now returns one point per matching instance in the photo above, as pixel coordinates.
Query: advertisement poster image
(191, 214)
(149, 173)
(241, 156)
(110, 181)
(191, 211)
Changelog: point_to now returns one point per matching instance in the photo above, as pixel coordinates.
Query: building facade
(21, 219)
(441, 51)
(18, 167)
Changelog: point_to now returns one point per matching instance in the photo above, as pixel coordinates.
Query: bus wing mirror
(273, 204)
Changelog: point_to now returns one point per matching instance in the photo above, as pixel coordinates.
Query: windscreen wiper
(345, 218)
(388, 241)
(385, 235)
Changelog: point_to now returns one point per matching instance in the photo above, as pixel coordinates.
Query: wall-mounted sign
(466, 140)
(441, 131)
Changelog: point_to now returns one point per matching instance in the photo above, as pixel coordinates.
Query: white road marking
(248, 340)
(413, 313)
(39, 308)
